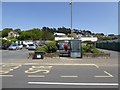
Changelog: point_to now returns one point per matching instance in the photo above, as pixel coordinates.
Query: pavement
(63, 72)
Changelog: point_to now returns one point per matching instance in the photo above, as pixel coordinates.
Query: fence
(109, 45)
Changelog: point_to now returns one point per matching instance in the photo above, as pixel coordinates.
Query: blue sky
(99, 17)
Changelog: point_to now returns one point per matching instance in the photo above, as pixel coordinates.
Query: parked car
(0, 46)
(13, 47)
(27, 46)
(5, 46)
(20, 46)
(31, 47)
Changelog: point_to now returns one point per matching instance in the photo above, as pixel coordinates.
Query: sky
(98, 17)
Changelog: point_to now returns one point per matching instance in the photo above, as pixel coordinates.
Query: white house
(93, 39)
(59, 34)
(28, 42)
(13, 34)
(63, 37)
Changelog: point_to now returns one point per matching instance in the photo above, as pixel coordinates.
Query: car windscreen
(14, 45)
(31, 45)
(19, 44)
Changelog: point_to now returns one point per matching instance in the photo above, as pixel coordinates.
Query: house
(59, 34)
(79, 37)
(13, 34)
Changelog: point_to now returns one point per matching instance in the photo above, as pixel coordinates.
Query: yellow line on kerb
(69, 76)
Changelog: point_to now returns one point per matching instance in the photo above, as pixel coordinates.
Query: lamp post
(71, 16)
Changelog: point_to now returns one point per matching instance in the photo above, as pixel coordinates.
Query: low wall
(90, 55)
(87, 55)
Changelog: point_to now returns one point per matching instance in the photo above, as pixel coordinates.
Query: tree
(47, 35)
(6, 31)
(64, 30)
(33, 34)
(18, 30)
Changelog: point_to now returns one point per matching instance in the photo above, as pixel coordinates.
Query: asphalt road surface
(14, 55)
(52, 73)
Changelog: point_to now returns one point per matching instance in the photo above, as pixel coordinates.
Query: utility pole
(71, 16)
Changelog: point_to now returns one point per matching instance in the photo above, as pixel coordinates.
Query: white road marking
(35, 76)
(30, 64)
(103, 76)
(78, 84)
(69, 76)
(36, 71)
(6, 75)
(76, 59)
(63, 64)
(41, 67)
(108, 75)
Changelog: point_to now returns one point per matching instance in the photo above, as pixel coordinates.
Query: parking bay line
(108, 75)
(6, 75)
(77, 84)
(36, 76)
(69, 76)
(63, 64)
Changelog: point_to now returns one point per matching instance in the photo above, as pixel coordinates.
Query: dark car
(5, 46)
(0, 45)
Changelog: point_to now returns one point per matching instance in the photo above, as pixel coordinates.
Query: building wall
(93, 39)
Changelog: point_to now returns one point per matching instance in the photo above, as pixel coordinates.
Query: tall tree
(18, 30)
(6, 31)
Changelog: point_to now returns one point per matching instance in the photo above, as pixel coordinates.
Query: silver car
(13, 47)
(20, 46)
(32, 47)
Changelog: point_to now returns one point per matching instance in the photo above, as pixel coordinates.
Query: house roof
(59, 34)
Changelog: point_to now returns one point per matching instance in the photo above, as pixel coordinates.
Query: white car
(27, 46)
(13, 47)
(32, 47)
(20, 46)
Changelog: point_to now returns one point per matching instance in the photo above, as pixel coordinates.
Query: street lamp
(71, 16)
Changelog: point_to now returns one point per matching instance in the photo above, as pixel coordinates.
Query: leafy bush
(6, 42)
(89, 48)
(43, 48)
(49, 47)
(13, 40)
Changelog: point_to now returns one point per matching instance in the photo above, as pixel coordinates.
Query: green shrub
(49, 47)
(89, 48)
(13, 39)
(43, 48)
(6, 42)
